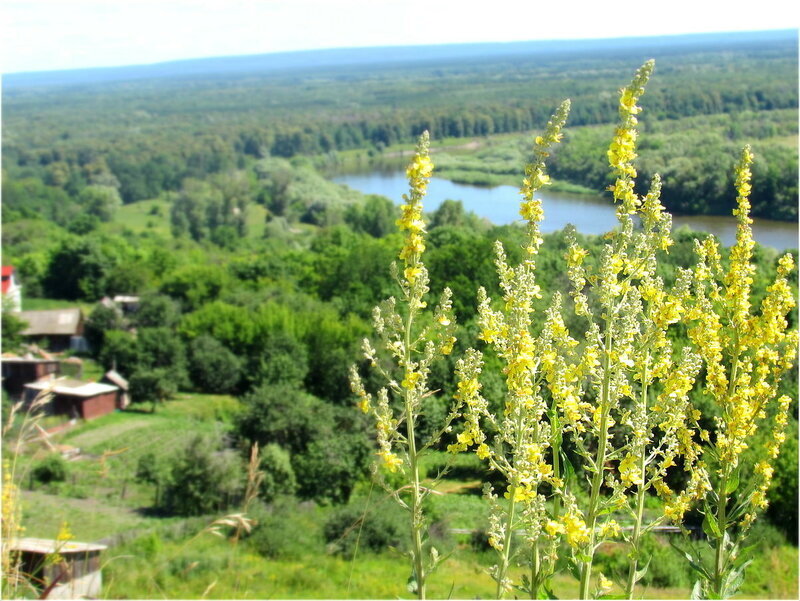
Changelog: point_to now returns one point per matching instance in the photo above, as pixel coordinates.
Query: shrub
(383, 526)
(285, 530)
(202, 479)
(279, 478)
(327, 445)
(52, 468)
(213, 368)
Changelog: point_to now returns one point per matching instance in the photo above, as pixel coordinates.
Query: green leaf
(639, 574)
(710, 526)
(693, 559)
(697, 591)
(573, 568)
(733, 580)
(546, 592)
(412, 585)
(733, 483)
(568, 472)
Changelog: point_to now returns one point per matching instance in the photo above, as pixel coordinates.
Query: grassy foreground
(156, 556)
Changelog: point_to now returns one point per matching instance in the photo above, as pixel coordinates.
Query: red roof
(8, 271)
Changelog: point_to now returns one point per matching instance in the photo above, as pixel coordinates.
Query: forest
(209, 198)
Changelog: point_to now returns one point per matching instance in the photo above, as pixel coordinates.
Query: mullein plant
(524, 437)
(745, 354)
(640, 422)
(413, 339)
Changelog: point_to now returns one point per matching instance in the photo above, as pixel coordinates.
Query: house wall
(84, 407)
(99, 405)
(55, 342)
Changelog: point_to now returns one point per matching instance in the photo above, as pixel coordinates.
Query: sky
(39, 35)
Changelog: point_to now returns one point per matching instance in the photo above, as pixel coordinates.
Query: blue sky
(65, 34)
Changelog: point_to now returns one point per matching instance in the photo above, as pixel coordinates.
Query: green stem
(506, 556)
(512, 493)
(555, 434)
(722, 519)
(637, 528)
(536, 571)
(416, 496)
(597, 480)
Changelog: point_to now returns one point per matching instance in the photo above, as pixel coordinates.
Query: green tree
(102, 319)
(328, 445)
(203, 479)
(213, 368)
(162, 348)
(120, 350)
(152, 386)
(156, 310)
(152, 469)
(100, 201)
(12, 327)
(279, 478)
(375, 216)
(78, 269)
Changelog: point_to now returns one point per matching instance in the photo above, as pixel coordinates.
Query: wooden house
(18, 371)
(71, 570)
(62, 328)
(75, 399)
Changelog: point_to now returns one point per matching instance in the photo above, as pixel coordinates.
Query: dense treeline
(695, 158)
(146, 137)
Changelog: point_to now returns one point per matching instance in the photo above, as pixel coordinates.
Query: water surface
(589, 214)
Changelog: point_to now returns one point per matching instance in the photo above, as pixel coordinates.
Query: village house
(61, 328)
(76, 569)
(75, 399)
(12, 291)
(18, 371)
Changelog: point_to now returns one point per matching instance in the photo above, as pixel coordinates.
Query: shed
(114, 378)
(76, 570)
(74, 398)
(63, 328)
(18, 371)
(128, 303)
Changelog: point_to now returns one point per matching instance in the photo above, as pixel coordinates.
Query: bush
(285, 530)
(328, 446)
(666, 569)
(279, 478)
(384, 526)
(202, 479)
(213, 368)
(52, 468)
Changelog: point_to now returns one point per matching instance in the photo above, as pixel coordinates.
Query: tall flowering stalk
(413, 341)
(524, 437)
(745, 354)
(640, 422)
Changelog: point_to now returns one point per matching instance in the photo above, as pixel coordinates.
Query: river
(589, 214)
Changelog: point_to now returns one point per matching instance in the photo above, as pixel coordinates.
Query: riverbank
(590, 214)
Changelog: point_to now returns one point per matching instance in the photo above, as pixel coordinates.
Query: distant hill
(265, 64)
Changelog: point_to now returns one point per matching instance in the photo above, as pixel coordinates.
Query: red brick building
(75, 399)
